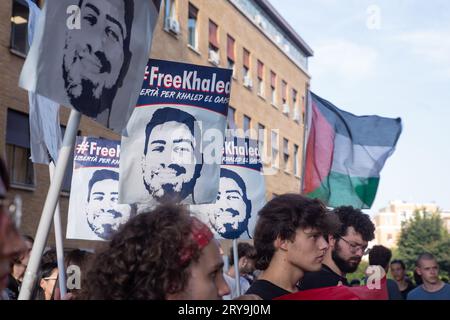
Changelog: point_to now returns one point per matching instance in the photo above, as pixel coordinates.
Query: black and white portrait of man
(172, 161)
(104, 214)
(96, 56)
(230, 215)
(90, 55)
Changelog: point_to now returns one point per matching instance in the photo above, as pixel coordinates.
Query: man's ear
(331, 241)
(280, 244)
(418, 271)
(43, 284)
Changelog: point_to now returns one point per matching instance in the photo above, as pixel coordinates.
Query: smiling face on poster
(103, 212)
(170, 165)
(96, 52)
(241, 192)
(172, 145)
(94, 211)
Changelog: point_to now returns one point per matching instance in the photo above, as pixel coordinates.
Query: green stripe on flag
(339, 190)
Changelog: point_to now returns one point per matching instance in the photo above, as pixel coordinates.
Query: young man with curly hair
(347, 247)
(289, 241)
(164, 254)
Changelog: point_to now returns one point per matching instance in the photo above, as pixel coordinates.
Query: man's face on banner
(169, 165)
(229, 213)
(104, 214)
(94, 54)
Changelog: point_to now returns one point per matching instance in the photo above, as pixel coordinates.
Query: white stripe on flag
(357, 160)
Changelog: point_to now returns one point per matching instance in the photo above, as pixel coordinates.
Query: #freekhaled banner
(89, 55)
(171, 148)
(94, 211)
(241, 192)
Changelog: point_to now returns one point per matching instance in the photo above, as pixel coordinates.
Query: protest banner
(241, 193)
(172, 145)
(86, 54)
(94, 212)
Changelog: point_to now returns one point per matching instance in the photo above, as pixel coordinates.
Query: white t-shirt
(232, 285)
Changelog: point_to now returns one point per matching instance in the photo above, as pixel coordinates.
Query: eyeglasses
(50, 278)
(354, 248)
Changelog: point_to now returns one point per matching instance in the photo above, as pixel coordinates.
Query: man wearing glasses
(347, 248)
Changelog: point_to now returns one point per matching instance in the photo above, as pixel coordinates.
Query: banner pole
(306, 128)
(236, 267)
(50, 206)
(59, 241)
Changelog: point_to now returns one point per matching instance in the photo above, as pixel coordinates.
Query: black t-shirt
(266, 290)
(405, 292)
(320, 279)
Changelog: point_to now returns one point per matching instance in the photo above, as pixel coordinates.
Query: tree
(425, 232)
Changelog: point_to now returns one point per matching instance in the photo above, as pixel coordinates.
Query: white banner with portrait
(94, 211)
(241, 193)
(171, 148)
(91, 54)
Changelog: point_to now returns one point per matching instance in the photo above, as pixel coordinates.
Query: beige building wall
(168, 46)
(388, 221)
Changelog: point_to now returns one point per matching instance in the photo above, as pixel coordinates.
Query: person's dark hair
(424, 256)
(400, 262)
(351, 217)
(79, 258)
(143, 260)
(380, 255)
(49, 256)
(129, 16)
(244, 250)
(282, 216)
(44, 271)
(100, 175)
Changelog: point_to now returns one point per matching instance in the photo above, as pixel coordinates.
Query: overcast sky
(394, 66)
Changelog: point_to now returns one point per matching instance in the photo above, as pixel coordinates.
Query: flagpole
(236, 267)
(59, 241)
(305, 139)
(50, 206)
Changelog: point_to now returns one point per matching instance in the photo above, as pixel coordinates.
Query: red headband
(201, 234)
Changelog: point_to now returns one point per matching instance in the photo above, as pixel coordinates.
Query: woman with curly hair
(162, 254)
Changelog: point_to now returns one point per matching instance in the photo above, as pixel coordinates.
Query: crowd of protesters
(167, 254)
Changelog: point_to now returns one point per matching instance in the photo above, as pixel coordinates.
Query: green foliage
(359, 273)
(424, 233)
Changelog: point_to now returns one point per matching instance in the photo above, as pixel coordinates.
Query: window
(286, 154)
(246, 68)
(261, 132)
(274, 149)
(273, 87)
(192, 26)
(284, 102)
(303, 109)
(260, 78)
(296, 171)
(231, 124)
(294, 103)
(19, 27)
(230, 53)
(18, 151)
(170, 14)
(247, 122)
(213, 43)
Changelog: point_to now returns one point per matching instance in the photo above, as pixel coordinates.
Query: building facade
(268, 96)
(388, 221)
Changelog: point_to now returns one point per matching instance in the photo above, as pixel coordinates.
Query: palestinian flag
(345, 154)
